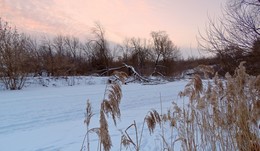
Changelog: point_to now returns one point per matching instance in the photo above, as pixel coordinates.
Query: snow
(51, 117)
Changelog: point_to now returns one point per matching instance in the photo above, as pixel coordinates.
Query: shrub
(14, 57)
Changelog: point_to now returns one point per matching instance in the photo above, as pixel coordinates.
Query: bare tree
(163, 49)
(35, 64)
(100, 53)
(232, 36)
(73, 48)
(239, 26)
(255, 3)
(47, 57)
(63, 66)
(126, 49)
(139, 53)
(72, 45)
(14, 57)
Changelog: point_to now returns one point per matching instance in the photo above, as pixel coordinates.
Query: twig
(130, 140)
(136, 145)
(161, 117)
(140, 141)
(82, 146)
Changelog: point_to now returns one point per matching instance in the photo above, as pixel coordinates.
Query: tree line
(22, 56)
(232, 38)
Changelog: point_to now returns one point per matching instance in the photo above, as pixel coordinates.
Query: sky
(181, 19)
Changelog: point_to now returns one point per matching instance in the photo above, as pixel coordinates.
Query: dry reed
(109, 107)
(222, 114)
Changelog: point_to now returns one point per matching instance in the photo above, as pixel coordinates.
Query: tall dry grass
(108, 107)
(223, 114)
(217, 115)
(88, 116)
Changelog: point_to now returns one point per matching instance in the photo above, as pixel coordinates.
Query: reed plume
(110, 106)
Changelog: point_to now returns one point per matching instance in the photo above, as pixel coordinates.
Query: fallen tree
(133, 75)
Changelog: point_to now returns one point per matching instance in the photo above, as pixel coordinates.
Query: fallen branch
(136, 74)
(110, 69)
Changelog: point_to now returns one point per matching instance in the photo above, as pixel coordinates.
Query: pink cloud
(121, 18)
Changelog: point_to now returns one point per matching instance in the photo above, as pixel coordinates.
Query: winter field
(48, 114)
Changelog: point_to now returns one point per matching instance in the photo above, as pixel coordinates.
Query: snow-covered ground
(51, 117)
